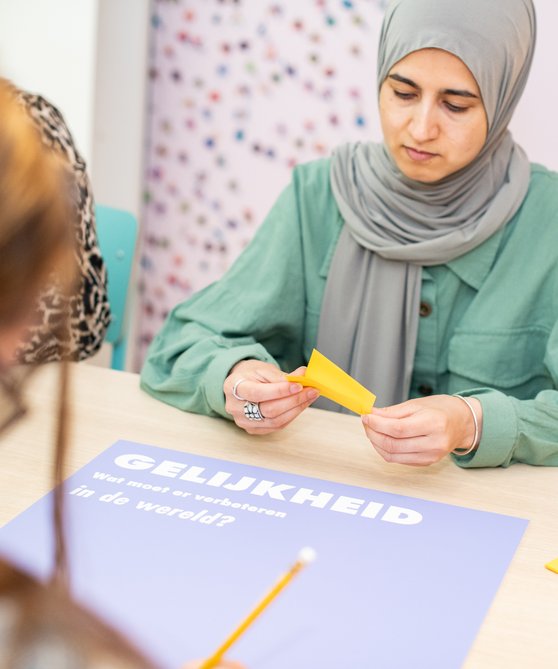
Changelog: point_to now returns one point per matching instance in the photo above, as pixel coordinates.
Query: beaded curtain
(240, 92)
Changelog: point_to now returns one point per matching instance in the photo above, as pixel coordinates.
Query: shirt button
(425, 309)
(425, 389)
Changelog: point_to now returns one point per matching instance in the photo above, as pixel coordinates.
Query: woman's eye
(404, 96)
(455, 108)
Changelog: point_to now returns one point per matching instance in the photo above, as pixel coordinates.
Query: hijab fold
(393, 225)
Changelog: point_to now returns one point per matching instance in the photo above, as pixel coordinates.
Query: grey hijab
(394, 225)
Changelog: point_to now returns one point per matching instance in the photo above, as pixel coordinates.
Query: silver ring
(235, 394)
(252, 411)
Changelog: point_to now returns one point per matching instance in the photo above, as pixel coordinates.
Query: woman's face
(432, 115)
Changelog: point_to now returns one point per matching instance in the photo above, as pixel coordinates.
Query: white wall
(534, 124)
(119, 106)
(49, 47)
(89, 58)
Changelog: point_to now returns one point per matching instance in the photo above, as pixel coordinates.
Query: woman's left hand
(422, 431)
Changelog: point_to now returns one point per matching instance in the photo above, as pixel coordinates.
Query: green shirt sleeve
(262, 294)
(516, 430)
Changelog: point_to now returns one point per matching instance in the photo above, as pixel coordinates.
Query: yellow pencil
(305, 556)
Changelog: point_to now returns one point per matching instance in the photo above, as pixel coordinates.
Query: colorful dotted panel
(240, 92)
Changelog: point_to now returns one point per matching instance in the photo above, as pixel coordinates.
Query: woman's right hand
(280, 401)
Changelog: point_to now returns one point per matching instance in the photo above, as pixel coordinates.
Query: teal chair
(117, 232)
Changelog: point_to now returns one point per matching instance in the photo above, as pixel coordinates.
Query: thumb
(395, 410)
(270, 374)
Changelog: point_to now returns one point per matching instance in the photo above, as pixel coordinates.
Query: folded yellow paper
(552, 565)
(335, 384)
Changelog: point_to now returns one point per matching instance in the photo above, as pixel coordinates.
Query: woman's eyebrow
(403, 80)
(446, 91)
(465, 94)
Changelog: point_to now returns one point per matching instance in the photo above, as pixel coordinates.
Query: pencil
(305, 556)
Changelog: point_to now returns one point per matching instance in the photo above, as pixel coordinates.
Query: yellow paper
(335, 384)
(552, 565)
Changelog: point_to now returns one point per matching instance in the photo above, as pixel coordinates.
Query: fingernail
(295, 388)
(365, 419)
(312, 394)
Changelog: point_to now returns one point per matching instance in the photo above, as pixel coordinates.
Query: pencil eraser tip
(307, 555)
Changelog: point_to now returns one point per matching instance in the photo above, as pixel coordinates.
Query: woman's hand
(280, 401)
(422, 431)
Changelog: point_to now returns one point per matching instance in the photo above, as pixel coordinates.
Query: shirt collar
(473, 267)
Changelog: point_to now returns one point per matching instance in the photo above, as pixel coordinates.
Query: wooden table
(521, 628)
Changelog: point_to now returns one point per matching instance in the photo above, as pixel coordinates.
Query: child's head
(37, 238)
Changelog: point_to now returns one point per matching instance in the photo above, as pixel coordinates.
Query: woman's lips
(419, 156)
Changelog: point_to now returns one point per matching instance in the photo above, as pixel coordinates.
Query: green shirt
(488, 325)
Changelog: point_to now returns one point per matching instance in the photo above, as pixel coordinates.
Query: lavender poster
(175, 549)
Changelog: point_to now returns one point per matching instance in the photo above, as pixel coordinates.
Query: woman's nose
(424, 124)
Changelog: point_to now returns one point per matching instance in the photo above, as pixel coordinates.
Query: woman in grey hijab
(435, 285)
